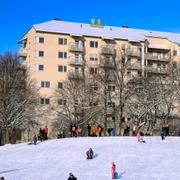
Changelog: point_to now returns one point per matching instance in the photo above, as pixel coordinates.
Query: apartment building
(56, 50)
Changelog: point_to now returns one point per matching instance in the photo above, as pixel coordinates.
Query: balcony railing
(133, 52)
(75, 74)
(75, 61)
(156, 70)
(76, 47)
(157, 57)
(108, 49)
(107, 63)
(22, 52)
(134, 66)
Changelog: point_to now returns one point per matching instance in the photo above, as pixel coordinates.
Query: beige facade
(54, 56)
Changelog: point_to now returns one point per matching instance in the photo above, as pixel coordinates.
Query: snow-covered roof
(157, 46)
(106, 32)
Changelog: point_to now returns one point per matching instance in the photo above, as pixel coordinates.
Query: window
(111, 88)
(93, 87)
(62, 41)
(93, 58)
(40, 67)
(44, 101)
(62, 102)
(41, 40)
(94, 44)
(62, 55)
(62, 68)
(60, 85)
(123, 61)
(40, 53)
(93, 70)
(45, 84)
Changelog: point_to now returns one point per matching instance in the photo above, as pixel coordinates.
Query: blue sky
(17, 16)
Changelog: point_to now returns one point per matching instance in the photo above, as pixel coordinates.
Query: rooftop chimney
(57, 19)
(96, 22)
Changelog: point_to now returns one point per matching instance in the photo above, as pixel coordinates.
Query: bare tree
(17, 95)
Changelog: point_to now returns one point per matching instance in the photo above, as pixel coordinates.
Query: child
(89, 154)
(113, 170)
(35, 139)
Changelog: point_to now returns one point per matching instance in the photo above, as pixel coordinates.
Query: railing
(159, 57)
(75, 74)
(75, 61)
(157, 70)
(22, 52)
(108, 49)
(107, 63)
(134, 66)
(76, 47)
(133, 52)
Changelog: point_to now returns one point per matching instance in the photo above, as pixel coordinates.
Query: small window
(40, 67)
(62, 68)
(60, 85)
(44, 101)
(62, 55)
(62, 102)
(111, 88)
(93, 58)
(94, 44)
(93, 87)
(93, 70)
(62, 41)
(40, 53)
(41, 40)
(45, 84)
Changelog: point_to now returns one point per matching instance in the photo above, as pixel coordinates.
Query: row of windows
(46, 84)
(40, 67)
(62, 68)
(63, 102)
(47, 101)
(63, 41)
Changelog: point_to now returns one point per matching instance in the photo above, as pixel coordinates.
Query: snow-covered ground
(54, 159)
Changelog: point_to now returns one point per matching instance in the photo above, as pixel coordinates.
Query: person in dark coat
(89, 129)
(72, 177)
(89, 154)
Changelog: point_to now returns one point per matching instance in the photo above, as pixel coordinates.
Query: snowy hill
(54, 159)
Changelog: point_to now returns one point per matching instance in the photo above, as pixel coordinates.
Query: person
(99, 130)
(89, 154)
(140, 137)
(72, 177)
(2, 178)
(94, 130)
(40, 135)
(89, 129)
(46, 133)
(113, 170)
(73, 129)
(35, 139)
(162, 135)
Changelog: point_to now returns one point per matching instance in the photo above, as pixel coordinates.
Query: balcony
(156, 70)
(75, 61)
(107, 63)
(134, 52)
(135, 66)
(76, 47)
(22, 52)
(108, 49)
(75, 74)
(158, 57)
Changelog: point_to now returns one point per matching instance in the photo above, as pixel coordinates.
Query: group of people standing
(95, 130)
(42, 135)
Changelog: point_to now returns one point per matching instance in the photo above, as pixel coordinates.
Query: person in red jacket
(113, 170)
(46, 132)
